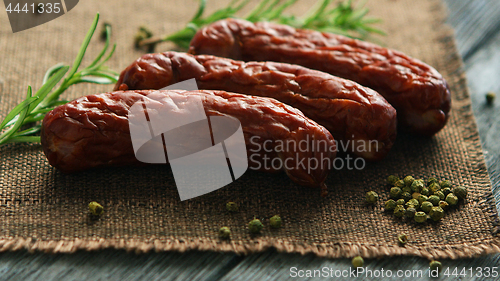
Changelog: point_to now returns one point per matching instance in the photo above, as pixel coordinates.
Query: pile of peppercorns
(419, 200)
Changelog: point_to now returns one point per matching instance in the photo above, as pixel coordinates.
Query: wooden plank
(474, 20)
(475, 23)
(115, 265)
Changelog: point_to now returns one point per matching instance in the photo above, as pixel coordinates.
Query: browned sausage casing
(358, 116)
(93, 131)
(417, 91)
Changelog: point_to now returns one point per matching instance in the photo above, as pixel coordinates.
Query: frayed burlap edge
(333, 250)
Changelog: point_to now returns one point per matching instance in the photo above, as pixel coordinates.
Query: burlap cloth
(42, 209)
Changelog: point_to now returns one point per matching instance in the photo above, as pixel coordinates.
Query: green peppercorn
(358, 261)
(417, 186)
(275, 221)
(232, 207)
(399, 211)
(400, 183)
(400, 202)
(410, 212)
(255, 226)
(406, 189)
(402, 238)
(408, 180)
(434, 199)
(434, 187)
(426, 206)
(396, 192)
(443, 205)
(392, 179)
(451, 199)
(446, 191)
(439, 194)
(390, 205)
(420, 217)
(490, 98)
(460, 192)
(435, 265)
(224, 232)
(406, 196)
(421, 199)
(436, 213)
(445, 184)
(431, 181)
(415, 195)
(424, 191)
(371, 197)
(413, 202)
(95, 208)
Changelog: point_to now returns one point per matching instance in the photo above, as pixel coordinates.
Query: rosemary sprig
(29, 112)
(326, 15)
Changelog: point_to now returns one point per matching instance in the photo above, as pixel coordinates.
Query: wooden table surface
(477, 27)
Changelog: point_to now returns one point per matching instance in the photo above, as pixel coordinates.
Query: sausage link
(419, 93)
(358, 116)
(93, 131)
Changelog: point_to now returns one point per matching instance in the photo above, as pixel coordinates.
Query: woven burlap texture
(43, 209)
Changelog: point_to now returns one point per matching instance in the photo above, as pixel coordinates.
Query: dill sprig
(326, 15)
(22, 122)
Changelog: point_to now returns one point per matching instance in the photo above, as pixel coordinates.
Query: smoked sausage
(357, 116)
(419, 93)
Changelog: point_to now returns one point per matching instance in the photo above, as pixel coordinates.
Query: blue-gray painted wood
(477, 25)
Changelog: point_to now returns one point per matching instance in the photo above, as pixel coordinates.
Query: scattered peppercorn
(406, 196)
(424, 191)
(443, 205)
(435, 265)
(392, 179)
(451, 199)
(402, 238)
(434, 199)
(400, 183)
(460, 192)
(436, 213)
(406, 189)
(434, 187)
(410, 212)
(417, 186)
(445, 184)
(439, 194)
(415, 195)
(275, 221)
(396, 192)
(358, 261)
(371, 197)
(399, 211)
(255, 226)
(422, 198)
(232, 207)
(420, 217)
(413, 202)
(426, 206)
(408, 180)
(224, 232)
(390, 205)
(95, 208)
(490, 98)
(446, 191)
(400, 202)
(431, 181)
